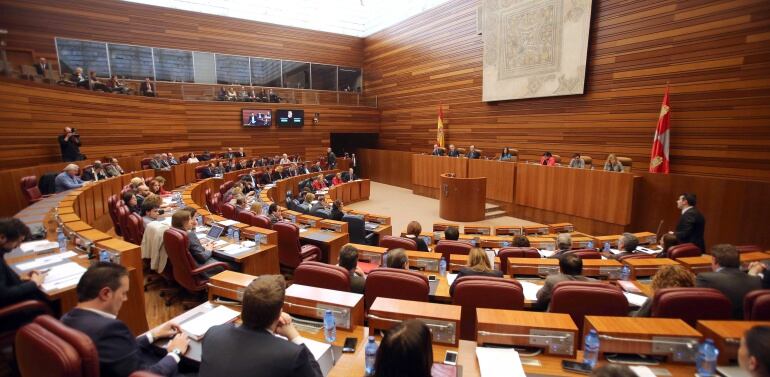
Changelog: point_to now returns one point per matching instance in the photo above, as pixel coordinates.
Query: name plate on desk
(308, 220)
(536, 230)
(562, 228)
(508, 231)
(532, 266)
(608, 268)
(347, 307)
(543, 243)
(336, 226)
(442, 320)
(555, 333)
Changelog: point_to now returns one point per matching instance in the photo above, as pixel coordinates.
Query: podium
(462, 199)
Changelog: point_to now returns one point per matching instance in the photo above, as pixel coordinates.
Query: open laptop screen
(215, 232)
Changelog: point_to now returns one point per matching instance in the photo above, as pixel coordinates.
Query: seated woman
(612, 164)
(129, 199)
(413, 230)
(478, 265)
(191, 159)
(274, 213)
(154, 186)
(336, 212)
(231, 94)
(319, 183)
(666, 242)
(337, 180)
(161, 182)
(547, 159)
(666, 277)
(506, 155)
(201, 252)
(406, 350)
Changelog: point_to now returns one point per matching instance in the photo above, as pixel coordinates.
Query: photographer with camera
(70, 145)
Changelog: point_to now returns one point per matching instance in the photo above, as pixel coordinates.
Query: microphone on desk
(558, 343)
(657, 233)
(681, 350)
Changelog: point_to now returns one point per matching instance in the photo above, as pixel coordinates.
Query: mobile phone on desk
(574, 366)
(450, 358)
(432, 278)
(350, 345)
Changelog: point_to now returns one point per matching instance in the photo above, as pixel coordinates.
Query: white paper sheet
(44, 261)
(546, 253)
(27, 247)
(499, 362)
(233, 249)
(450, 278)
(634, 299)
(649, 250)
(530, 290)
(197, 326)
(62, 276)
(227, 222)
(642, 371)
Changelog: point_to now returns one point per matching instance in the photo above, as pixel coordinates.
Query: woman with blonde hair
(612, 164)
(478, 265)
(674, 276)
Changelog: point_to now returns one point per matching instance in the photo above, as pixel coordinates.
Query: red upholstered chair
(145, 163)
(215, 203)
(184, 268)
(122, 213)
(19, 313)
(684, 250)
(473, 292)
(263, 222)
(748, 248)
(48, 348)
(756, 305)
(580, 298)
(29, 189)
(691, 304)
(247, 217)
(447, 247)
(112, 208)
(322, 275)
(395, 283)
(134, 229)
(225, 186)
(515, 252)
(290, 252)
(586, 254)
(228, 210)
(391, 242)
(199, 171)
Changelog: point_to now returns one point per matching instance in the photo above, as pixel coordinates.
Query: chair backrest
(756, 305)
(356, 228)
(586, 254)
(182, 262)
(391, 242)
(263, 221)
(112, 208)
(395, 283)
(48, 348)
(691, 304)
(515, 252)
(580, 298)
(247, 217)
(448, 247)
(199, 171)
(684, 250)
(122, 212)
(134, 229)
(626, 162)
(215, 204)
(228, 211)
(225, 186)
(473, 292)
(288, 244)
(145, 163)
(748, 248)
(29, 189)
(322, 275)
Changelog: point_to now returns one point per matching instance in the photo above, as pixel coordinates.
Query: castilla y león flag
(659, 157)
(440, 128)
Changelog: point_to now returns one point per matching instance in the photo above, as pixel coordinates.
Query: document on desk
(63, 276)
(546, 253)
(642, 371)
(38, 246)
(234, 249)
(450, 278)
(530, 290)
(634, 299)
(648, 250)
(197, 326)
(45, 261)
(227, 222)
(499, 362)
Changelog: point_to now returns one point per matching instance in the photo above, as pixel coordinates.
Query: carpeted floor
(403, 206)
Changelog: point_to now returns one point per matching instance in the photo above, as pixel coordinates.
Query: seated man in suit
(68, 179)
(155, 163)
(171, 160)
(252, 348)
(473, 153)
(147, 88)
(349, 261)
(437, 151)
(453, 152)
(142, 193)
(351, 175)
(570, 267)
(79, 78)
(577, 162)
(101, 292)
(396, 258)
(209, 171)
(478, 265)
(302, 169)
(728, 277)
(691, 224)
(114, 169)
(564, 244)
(627, 244)
(95, 173)
(16, 288)
(451, 233)
(150, 209)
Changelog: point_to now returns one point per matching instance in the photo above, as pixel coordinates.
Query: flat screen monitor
(290, 118)
(256, 118)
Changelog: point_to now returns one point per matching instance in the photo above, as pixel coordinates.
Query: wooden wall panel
(427, 169)
(33, 24)
(389, 167)
(501, 178)
(713, 54)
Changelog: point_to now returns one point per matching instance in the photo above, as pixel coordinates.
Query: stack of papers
(38, 263)
(634, 299)
(38, 246)
(63, 276)
(499, 362)
(530, 290)
(197, 326)
(227, 222)
(234, 249)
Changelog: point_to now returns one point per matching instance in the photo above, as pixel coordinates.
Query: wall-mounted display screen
(290, 118)
(256, 118)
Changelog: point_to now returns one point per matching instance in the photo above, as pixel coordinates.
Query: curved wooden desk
(462, 199)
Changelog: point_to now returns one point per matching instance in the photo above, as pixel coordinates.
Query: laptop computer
(215, 232)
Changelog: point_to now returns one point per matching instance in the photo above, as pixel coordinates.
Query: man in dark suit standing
(261, 352)
(101, 292)
(42, 66)
(691, 224)
(69, 143)
(728, 277)
(570, 266)
(331, 159)
(437, 151)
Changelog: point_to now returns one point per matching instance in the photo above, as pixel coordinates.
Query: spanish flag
(440, 128)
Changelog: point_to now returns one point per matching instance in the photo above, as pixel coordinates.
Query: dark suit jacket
(331, 159)
(208, 173)
(302, 170)
(421, 245)
(147, 90)
(544, 294)
(120, 354)
(437, 152)
(156, 164)
(12, 289)
(690, 228)
(357, 283)
(89, 175)
(474, 154)
(230, 350)
(40, 69)
(315, 169)
(453, 153)
(734, 283)
(467, 271)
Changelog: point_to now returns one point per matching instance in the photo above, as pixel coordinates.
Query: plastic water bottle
(371, 354)
(199, 220)
(442, 267)
(591, 348)
(62, 240)
(237, 235)
(706, 360)
(330, 329)
(229, 232)
(104, 256)
(625, 272)
(607, 247)
(590, 245)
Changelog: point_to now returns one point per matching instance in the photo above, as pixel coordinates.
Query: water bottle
(62, 240)
(591, 349)
(104, 256)
(330, 330)
(229, 232)
(442, 267)
(607, 247)
(706, 360)
(199, 220)
(590, 245)
(625, 272)
(237, 236)
(371, 355)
